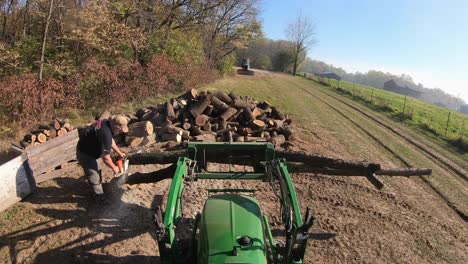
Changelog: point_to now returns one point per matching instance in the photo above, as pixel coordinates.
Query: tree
(301, 33)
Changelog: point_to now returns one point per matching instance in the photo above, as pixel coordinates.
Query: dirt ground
(404, 223)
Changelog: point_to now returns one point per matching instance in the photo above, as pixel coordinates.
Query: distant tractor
(245, 65)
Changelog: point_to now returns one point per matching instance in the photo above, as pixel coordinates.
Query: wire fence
(437, 120)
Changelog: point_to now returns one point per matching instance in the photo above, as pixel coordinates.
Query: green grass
(430, 119)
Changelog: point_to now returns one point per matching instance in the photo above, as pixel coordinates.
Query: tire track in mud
(461, 214)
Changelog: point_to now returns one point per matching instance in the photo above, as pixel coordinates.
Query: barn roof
(330, 75)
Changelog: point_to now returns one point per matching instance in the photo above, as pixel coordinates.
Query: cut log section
(61, 132)
(171, 137)
(140, 129)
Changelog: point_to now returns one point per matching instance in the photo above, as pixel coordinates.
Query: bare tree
(301, 33)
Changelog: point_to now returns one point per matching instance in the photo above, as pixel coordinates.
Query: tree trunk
(44, 40)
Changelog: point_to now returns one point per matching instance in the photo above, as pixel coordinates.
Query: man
(96, 142)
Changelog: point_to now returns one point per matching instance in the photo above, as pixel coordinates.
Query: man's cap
(122, 122)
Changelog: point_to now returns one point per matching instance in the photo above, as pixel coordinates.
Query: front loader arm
(166, 230)
(296, 227)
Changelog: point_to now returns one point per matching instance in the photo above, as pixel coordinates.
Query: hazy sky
(427, 39)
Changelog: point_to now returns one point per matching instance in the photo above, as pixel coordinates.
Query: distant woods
(107, 51)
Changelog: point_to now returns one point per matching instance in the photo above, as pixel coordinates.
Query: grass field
(435, 121)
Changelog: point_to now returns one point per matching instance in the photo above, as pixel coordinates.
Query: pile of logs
(209, 116)
(44, 132)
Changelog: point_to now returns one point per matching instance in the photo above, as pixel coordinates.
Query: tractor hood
(231, 230)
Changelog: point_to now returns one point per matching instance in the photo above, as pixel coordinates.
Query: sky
(427, 39)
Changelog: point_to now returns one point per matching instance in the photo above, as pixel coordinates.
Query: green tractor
(231, 228)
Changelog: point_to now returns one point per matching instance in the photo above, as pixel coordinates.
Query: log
(56, 124)
(208, 110)
(233, 96)
(62, 131)
(67, 126)
(277, 140)
(254, 139)
(140, 129)
(201, 120)
(170, 115)
(198, 108)
(175, 103)
(151, 177)
(277, 123)
(248, 115)
(228, 113)
(206, 138)
(218, 104)
(41, 138)
(258, 123)
(404, 172)
(149, 140)
(207, 126)
(257, 112)
(229, 129)
(186, 125)
(30, 138)
(223, 97)
(277, 114)
(25, 144)
(239, 103)
(189, 95)
(141, 112)
(44, 126)
(150, 156)
(214, 127)
(133, 142)
(237, 114)
(287, 132)
(171, 137)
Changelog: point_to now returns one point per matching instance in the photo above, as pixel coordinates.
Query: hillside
(412, 220)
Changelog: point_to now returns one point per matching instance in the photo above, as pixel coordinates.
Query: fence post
(404, 105)
(448, 120)
(462, 130)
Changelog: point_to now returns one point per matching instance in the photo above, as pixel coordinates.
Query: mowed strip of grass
(449, 184)
(414, 128)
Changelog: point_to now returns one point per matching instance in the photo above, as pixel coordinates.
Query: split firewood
(140, 129)
(206, 138)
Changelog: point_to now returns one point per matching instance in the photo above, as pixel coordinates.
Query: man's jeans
(92, 170)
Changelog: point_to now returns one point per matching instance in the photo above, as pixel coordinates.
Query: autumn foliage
(25, 100)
